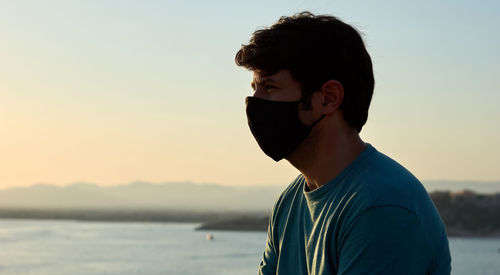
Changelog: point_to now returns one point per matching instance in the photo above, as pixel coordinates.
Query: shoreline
(208, 221)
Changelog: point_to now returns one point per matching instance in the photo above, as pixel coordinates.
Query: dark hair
(315, 49)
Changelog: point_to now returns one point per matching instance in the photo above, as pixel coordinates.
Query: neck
(323, 157)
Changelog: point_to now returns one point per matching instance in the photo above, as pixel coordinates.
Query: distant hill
(142, 195)
(467, 213)
(186, 196)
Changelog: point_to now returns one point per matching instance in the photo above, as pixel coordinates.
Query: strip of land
(465, 214)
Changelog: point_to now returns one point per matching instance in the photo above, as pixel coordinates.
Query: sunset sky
(111, 92)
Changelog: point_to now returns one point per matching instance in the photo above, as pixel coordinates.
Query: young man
(352, 210)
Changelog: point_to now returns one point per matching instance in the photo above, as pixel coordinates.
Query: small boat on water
(210, 237)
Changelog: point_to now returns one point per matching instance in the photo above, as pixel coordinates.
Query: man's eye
(269, 87)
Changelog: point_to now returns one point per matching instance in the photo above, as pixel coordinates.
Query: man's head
(315, 50)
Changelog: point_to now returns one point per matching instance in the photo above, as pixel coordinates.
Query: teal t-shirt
(375, 217)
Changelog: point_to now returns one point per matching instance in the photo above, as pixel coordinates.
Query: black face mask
(276, 126)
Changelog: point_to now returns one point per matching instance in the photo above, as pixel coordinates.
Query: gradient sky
(115, 91)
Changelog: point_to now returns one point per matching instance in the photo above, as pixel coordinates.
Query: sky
(111, 92)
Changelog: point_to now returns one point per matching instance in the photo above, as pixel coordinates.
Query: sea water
(71, 247)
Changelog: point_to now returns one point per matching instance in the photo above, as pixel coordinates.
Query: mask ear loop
(318, 120)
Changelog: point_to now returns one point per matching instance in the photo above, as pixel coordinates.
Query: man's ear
(333, 94)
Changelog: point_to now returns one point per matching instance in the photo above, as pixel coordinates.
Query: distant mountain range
(185, 196)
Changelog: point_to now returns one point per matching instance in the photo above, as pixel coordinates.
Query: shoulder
(285, 202)
(282, 206)
(382, 184)
(287, 197)
(389, 198)
(288, 194)
(383, 181)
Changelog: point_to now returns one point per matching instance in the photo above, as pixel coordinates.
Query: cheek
(262, 95)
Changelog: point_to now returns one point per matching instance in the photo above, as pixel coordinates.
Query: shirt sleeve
(270, 255)
(384, 240)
